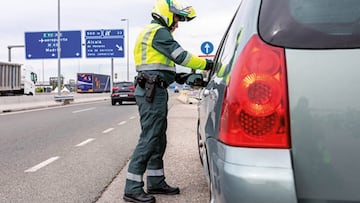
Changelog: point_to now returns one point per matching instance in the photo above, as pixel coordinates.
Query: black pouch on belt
(150, 87)
(141, 80)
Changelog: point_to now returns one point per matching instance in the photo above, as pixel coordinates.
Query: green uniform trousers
(149, 152)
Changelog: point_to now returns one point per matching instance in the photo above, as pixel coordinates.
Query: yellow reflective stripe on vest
(145, 54)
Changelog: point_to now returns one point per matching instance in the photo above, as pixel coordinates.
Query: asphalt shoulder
(181, 161)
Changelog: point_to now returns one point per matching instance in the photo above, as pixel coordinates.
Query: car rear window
(314, 24)
(124, 84)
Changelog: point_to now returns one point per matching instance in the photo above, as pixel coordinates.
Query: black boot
(165, 190)
(139, 198)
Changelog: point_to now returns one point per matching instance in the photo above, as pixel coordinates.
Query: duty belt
(148, 82)
(141, 80)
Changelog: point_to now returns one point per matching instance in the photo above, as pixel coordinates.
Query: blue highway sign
(104, 43)
(207, 47)
(43, 45)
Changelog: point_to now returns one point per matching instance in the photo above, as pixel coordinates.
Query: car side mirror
(196, 80)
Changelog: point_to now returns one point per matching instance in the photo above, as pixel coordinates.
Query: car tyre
(113, 102)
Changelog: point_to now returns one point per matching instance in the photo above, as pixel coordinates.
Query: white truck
(16, 79)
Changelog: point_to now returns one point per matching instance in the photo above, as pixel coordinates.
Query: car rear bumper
(118, 98)
(251, 175)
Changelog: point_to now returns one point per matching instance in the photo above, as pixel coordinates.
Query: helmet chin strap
(171, 27)
(159, 19)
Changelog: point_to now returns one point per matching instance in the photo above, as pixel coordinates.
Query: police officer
(156, 53)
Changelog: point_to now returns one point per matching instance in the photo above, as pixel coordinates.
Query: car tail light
(132, 88)
(255, 107)
(115, 89)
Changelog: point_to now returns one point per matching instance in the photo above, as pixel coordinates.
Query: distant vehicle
(279, 118)
(92, 83)
(16, 79)
(172, 86)
(186, 87)
(70, 87)
(122, 91)
(176, 89)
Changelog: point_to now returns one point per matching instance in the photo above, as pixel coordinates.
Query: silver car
(279, 118)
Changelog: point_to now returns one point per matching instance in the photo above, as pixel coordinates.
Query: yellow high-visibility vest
(148, 58)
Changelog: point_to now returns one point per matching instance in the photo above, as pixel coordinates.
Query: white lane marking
(85, 142)
(132, 117)
(82, 110)
(108, 130)
(42, 164)
(122, 123)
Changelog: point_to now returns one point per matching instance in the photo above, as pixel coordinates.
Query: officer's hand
(209, 64)
(181, 77)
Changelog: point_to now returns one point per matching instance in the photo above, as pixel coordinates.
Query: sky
(20, 16)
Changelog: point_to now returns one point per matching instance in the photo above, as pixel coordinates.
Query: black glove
(209, 64)
(181, 78)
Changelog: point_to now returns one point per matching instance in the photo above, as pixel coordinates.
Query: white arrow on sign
(207, 46)
(120, 48)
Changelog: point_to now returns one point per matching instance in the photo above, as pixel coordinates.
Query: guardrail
(66, 99)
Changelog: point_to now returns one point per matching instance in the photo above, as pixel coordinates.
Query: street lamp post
(9, 50)
(59, 51)
(127, 47)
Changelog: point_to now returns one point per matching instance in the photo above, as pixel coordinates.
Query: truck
(16, 79)
(92, 83)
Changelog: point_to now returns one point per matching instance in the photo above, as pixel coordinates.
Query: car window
(227, 51)
(315, 24)
(124, 84)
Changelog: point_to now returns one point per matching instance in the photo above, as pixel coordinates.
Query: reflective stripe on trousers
(158, 172)
(134, 177)
(150, 172)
